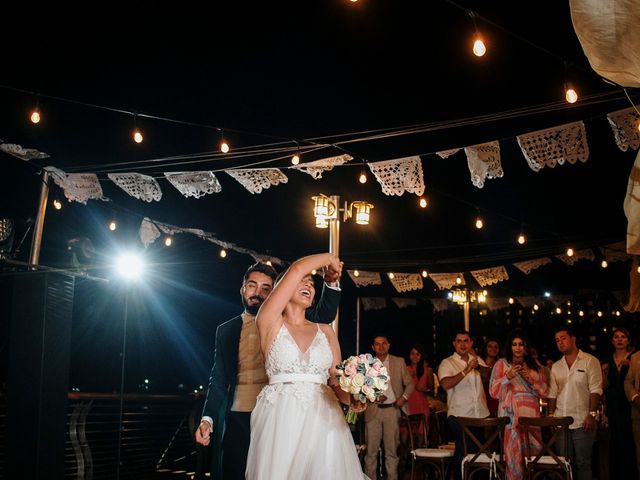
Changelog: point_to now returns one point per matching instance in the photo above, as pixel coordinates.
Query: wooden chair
(548, 461)
(437, 460)
(490, 454)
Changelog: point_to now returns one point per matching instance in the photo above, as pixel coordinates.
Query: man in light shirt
(574, 391)
(238, 372)
(461, 376)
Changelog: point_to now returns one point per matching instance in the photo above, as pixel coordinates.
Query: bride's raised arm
(269, 318)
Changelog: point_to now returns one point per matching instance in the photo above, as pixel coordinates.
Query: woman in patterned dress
(518, 383)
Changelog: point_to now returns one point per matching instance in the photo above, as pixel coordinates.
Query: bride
(298, 430)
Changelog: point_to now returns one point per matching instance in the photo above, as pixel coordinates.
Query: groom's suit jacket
(224, 374)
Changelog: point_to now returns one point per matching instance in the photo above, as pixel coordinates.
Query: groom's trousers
(235, 445)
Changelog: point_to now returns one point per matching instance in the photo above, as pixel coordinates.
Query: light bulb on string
(511, 300)
(570, 252)
(356, 273)
(224, 144)
(458, 280)
(168, 241)
(113, 225)
(479, 222)
(295, 160)
(479, 48)
(57, 204)
(363, 177)
(604, 264)
(522, 239)
(570, 94)
(223, 253)
(137, 133)
(425, 273)
(391, 276)
(423, 202)
(35, 113)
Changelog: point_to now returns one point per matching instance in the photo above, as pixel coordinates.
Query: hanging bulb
(424, 273)
(57, 204)
(223, 253)
(522, 239)
(558, 310)
(137, 135)
(536, 307)
(356, 273)
(35, 116)
(570, 94)
(604, 264)
(113, 226)
(224, 146)
(511, 300)
(168, 241)
(569, 252)
(479, 48)
(458, 280)
(423, 202)
(391, 275)
(363, 177)
(479, 223)
(268, 262)
(295, 160)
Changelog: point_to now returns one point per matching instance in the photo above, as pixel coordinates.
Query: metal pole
(334, 243)
(124, 357)
(36, 241)
(357, 325)
(466, 314)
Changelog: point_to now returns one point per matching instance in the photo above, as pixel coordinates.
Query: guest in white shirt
(574, 390)
(461, 376)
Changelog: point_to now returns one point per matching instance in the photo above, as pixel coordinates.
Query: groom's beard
(252, 304)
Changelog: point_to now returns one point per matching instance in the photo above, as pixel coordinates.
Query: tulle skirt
(298, 432)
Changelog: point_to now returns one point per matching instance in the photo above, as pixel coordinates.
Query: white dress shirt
(571, 387)
(467, 398)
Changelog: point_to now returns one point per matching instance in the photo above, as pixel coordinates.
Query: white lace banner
(446, 280)
(555, 145)
(624, 124)
(77, 187)
(528, 265)
(373, 303)
(399, 176)
(527, 302)
(490, 276)
(405, 282)
(558, 300)
(586, 254)
(142, 187)
(257, 180)
(496, 303)
(447, 153)
(484, 162)
(439, 304)
(615, 252)
(149, 233)
(631, 207)
(362, 279)
(194, 184)
(23, 153)
(404, 302)
(318, 167)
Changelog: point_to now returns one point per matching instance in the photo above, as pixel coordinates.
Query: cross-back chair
(425, 460)
(550, 436)
(489, 455)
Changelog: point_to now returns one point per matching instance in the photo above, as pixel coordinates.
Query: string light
(35, 113)
(425, 273)
(522, 239)
(423, 202)
(224, 145)
(137, 133)
(569, 252)
(363, 177)
(223, 253)
(581, 313)
(57, 204)
(356, 273)
(113, 225)
(536, 307)
(458, 280)
(604, 264)
(479, 48)
(511, 300)
(479, 223)
(391, 276)
(570, 94)
(168, 241)
(268, 262)
(558, 310)
(295, 160)
(599, 313)
(617, 313)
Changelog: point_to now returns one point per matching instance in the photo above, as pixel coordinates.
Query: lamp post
(327, 213)
(464, 297)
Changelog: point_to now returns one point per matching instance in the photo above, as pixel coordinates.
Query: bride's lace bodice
(285, 356)
(299, 374)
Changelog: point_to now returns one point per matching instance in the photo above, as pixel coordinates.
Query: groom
(238, 372)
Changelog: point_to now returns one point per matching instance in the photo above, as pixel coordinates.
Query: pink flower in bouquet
(350, 369)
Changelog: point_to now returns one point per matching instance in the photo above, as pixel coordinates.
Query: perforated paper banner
(496, 303)
(586, 254)
(194, 184)
(490, 276)
(448, 153)
(405, 282)
(404, 302)
(137, 185)
(77, 187)
(527, 302)
(318, 167)
(546, 148)
(446, 280)
(257, 180)
(528, 265)
(439, 304)
(615, 252)
(373, 303)
(399, 176)
(484, 162)
(365, 278)
(624, 124)
(23, 153)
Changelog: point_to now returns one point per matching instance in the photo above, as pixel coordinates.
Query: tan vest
(251, 373)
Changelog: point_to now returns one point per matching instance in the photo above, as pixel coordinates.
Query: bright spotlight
(129, 266)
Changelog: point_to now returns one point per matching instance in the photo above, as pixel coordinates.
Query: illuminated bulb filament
(424, 273)
(511, 300)
(479, 223)
(458, 280)
(113, 226)
(356, 273)
(604, 264)
(363, 178)
(423, 202)
(57, 204)
(295, 160)
(571, 95)
(224, 147)
(569, 252)
(168, 241)
(479, 48)
(137, 136)
(522, 239)
(223, 253)
(391, 275)
(35, 116)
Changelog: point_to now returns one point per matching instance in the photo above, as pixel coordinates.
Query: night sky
(294, 71)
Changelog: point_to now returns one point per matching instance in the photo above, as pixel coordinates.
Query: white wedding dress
(298, 430)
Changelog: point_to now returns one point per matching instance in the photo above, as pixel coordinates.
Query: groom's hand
(203, 433)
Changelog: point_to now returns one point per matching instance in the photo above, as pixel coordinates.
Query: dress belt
(297, 377)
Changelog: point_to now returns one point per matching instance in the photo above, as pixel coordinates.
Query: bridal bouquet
(364, 377)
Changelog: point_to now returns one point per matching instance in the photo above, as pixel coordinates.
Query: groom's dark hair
(261, 267)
